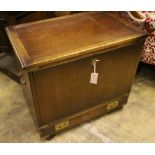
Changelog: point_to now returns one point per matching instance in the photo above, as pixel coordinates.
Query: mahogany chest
(75, 68)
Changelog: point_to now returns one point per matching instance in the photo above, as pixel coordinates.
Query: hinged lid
(64, 38)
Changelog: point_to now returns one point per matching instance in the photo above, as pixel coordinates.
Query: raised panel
(65, 89)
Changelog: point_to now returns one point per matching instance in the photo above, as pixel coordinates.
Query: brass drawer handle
(112, 105)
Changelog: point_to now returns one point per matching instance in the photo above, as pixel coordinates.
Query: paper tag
(94, 78)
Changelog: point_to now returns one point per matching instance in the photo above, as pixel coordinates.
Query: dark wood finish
(62, 13)
(79, 93)
(55, 57)
(80, 34)
(8, 18)
(11, 18)
(4, 39)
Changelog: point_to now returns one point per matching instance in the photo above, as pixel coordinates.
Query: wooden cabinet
(57, 57)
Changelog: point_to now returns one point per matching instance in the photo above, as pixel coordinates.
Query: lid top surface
(58, 37)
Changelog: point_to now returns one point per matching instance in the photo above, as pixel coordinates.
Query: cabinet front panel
(65, 89)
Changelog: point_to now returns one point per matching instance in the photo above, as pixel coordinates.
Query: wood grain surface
(57, 57)
(56, 39)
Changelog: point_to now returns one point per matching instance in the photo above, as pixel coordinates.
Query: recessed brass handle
(112, 105)
(62, 125)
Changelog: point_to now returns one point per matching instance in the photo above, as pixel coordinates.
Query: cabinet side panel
(29, 93)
